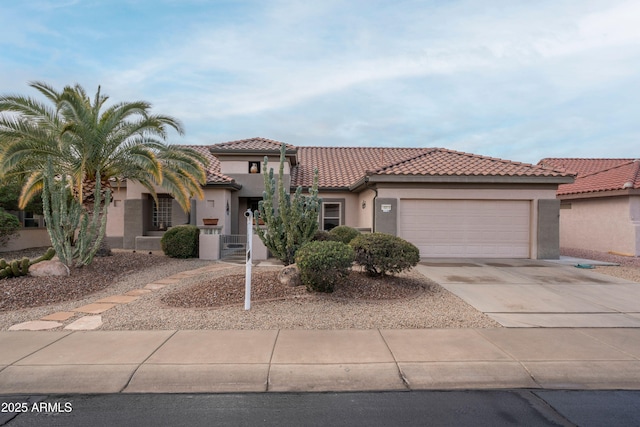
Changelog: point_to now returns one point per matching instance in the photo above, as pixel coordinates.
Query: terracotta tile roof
(623, 175)
(581, 166)
(213, 171)
(343, 166)
(250, 144)
(443, 162)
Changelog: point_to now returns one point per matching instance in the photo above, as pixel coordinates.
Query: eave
(368, 180)
(599, 194)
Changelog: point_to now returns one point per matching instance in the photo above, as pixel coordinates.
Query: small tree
(75, 233)
(295, 221)
(9, 226)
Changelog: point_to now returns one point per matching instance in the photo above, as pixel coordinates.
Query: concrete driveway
(532, 293)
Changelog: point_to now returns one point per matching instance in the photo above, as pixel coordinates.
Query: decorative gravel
(230, 289)
(629, 268)
(429, 307)
(418, 303)
(407, 301)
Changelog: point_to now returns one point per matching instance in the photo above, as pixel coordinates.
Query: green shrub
(322, 236)
(381, 253)
(9, 226)
(344, 234)
(181, 241)
(323, 263)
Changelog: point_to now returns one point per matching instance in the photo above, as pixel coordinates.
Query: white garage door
(467, 228)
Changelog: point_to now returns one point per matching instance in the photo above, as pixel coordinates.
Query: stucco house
(601, 209)
(448, 203)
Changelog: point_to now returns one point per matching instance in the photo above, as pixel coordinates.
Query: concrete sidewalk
(317, 360)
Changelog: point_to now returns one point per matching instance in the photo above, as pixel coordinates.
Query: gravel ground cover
(628, 269)
(407, 301)
(214, 300)
(431, 306)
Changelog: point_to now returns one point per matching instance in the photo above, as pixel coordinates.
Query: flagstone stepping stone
(60, 316)
(85, 323)
(154, 286)
(167, 281)
(35, 325)
(138, 292)
(95, 308)
(118, 299)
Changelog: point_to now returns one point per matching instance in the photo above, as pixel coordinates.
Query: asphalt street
(416, 408)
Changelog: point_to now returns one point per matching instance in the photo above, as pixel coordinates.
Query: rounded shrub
(322, 236)
(181, 241)
(344, 233)
(323, 263)
(381, 253)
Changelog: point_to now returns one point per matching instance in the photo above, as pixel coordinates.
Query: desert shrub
(323, 236)
(381, 253)
(9, 226)
(181, 241)
(344, 233)
(323, 263)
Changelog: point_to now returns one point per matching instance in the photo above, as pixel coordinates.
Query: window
(331, 215)
(161, 214)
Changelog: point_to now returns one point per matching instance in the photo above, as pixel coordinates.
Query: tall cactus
(294, 222)
(75, 233)
(61, 214)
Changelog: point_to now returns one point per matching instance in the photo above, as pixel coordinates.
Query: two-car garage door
(467, 228)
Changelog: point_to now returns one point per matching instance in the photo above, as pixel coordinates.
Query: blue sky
(520, 80)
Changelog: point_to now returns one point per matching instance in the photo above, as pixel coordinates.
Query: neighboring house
(448, 203)
(601, 209)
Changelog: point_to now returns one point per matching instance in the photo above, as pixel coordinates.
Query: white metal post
(247, 273)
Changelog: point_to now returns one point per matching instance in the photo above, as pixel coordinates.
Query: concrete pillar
(133, 222)
(209, 246)
(548, 229)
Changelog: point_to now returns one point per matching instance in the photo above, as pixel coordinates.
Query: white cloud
(482, 76)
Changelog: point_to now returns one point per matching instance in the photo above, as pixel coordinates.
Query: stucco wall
(352, 206)
(115, 213)
(365, 215)
(241, 166)
(602, 224)
(214, 205)
(28, 238)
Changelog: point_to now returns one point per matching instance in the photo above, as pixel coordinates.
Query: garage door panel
(467, 228)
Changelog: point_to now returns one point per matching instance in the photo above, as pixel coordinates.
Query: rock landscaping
(198, 294)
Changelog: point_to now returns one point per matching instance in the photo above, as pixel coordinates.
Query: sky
(514, 79)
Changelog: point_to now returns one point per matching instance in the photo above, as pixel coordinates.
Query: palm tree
(84, 138)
